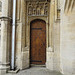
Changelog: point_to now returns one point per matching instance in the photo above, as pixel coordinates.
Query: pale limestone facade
(60, 35)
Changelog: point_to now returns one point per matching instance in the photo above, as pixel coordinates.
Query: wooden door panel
(38, 42)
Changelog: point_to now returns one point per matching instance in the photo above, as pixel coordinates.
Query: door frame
(31, 18)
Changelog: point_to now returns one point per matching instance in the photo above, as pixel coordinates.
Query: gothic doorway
(38, 42)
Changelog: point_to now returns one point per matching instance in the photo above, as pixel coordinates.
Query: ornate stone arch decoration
(36, 10)
(30, 19)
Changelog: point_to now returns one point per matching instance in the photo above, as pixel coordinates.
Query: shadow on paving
(36, 71)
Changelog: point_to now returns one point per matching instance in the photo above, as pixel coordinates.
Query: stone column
(4, 61)
(50, 52)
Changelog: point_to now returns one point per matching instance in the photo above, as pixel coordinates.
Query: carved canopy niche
(37, 8)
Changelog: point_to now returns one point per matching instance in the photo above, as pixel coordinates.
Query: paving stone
(36, 71)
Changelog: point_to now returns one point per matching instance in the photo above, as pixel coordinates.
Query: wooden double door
(38, 42)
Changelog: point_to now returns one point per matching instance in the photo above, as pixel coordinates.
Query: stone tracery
(37, 8)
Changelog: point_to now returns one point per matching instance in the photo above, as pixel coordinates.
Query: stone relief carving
(46, 9)
(37, 8)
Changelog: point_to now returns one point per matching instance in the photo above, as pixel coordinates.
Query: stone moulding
(69, 5)
(5, 18)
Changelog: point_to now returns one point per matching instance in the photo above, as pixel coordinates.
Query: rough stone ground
(36, 71)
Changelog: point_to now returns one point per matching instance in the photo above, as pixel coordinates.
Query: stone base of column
(4, 69)
(13, 71)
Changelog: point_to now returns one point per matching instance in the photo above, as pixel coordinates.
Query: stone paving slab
(36, 71)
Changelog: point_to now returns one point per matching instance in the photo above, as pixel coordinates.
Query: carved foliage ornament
(37, 8)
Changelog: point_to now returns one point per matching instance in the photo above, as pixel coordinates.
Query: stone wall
(54, 49)
(67, 37)
(0, 34)
(22, 54)
(5, 18)
(56, 46)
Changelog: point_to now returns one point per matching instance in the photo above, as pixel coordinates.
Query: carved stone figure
(46, 9)
(34, 11)
(30, 10)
